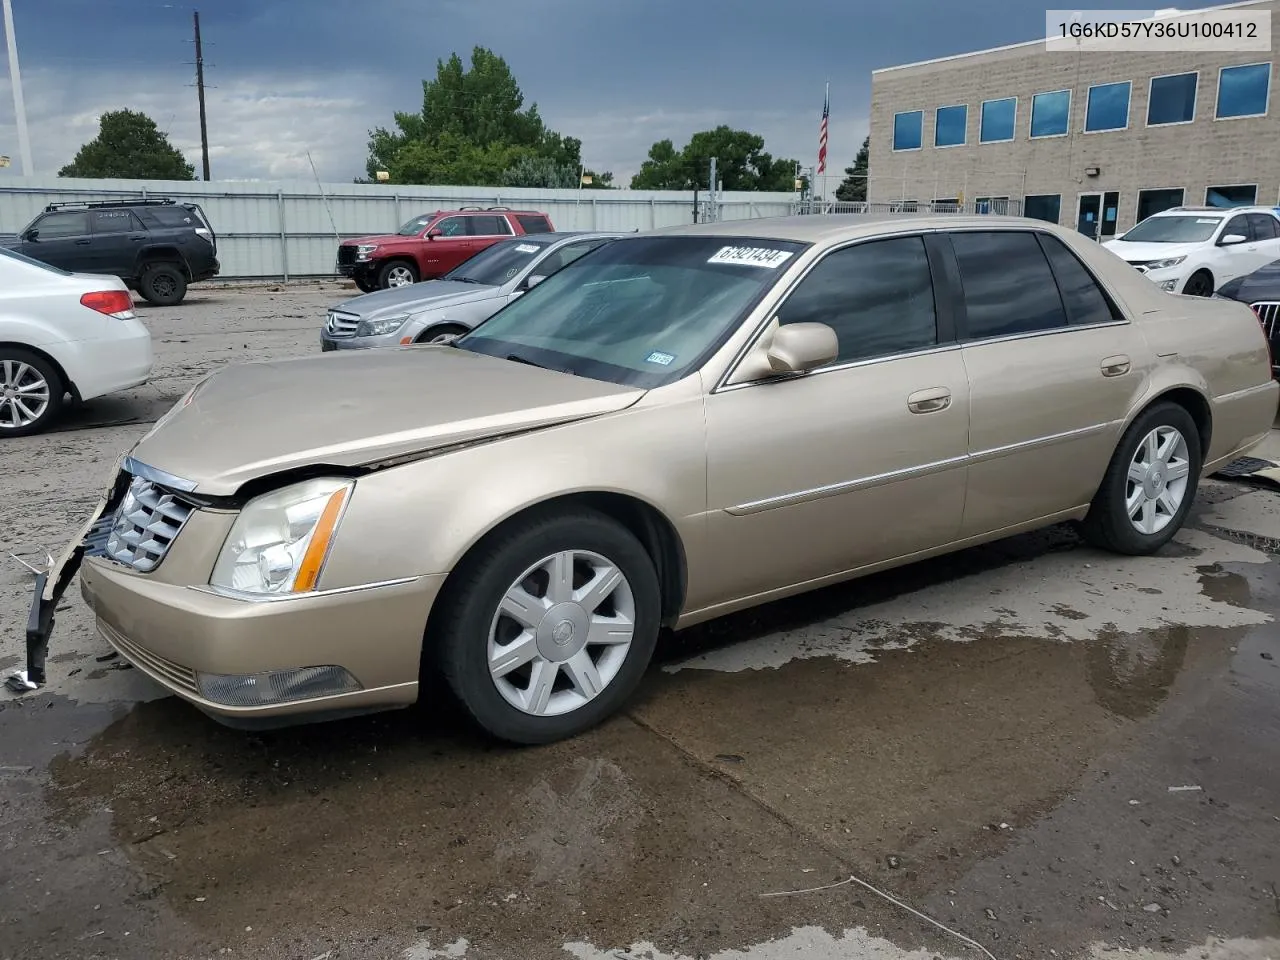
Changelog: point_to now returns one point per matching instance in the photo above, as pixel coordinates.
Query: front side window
(1151, 202)
(68, 224)
(1244, 91)
(1107, 107)
(1173, 99)
(1008, 286)
(1241, 195)
(639, 311)
(497, 264)
(567, 254)
(1044, 206)
(907, 130)
(1085, 302)
(1050, 113)
(877, 296)
(451, 227)
(1236, 226)
(998, 118)
(1191, 228)
(949, 125)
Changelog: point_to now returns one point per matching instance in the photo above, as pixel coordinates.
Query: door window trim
(942, 305)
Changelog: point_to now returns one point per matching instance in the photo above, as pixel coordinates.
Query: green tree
(854, 185)
(741, 164)
(472, 129)
(129, 146)
(599, 181)
(540, 172)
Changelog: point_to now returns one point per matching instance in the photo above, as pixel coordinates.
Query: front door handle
(1116, 366)
(929, 401)
(82, 243)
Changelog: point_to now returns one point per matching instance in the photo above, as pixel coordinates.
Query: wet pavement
(1046, 749)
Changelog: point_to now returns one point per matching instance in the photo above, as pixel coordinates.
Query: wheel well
(1196, 405)
(654, 531)
(407, 261)
(62, 374)
(435, 331)
(155, 255)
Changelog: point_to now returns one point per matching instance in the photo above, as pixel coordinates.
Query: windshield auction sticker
(752, 257)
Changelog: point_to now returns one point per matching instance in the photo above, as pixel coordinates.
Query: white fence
(291, 229)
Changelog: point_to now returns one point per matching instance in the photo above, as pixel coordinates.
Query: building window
(1240, 195)
(1243, 91)
(904, 206)
(1107, 107)
(949, 125)
(996, 205)
(997, 120)
(907, 129)
(1155, 201)
(1050, 113)
(946, 205)
(1043, 206)
(1172, 100)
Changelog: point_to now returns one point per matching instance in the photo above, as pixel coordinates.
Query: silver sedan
(462, 298)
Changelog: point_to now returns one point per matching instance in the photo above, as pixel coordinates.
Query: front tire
(438, 333)
(163, 284)
(397, 273)
(547, 628)
(364, 284)
(1199, 284)
(31, 393)
(1149, 485)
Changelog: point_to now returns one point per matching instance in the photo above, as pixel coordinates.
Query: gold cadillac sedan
(678, 425)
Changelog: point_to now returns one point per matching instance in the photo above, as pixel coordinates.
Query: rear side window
(1008, 286)
(172, 216)
(877, 296)
(1085, 302)
(114, 221)
(533, 224)
(1262, 227)
(488, 226)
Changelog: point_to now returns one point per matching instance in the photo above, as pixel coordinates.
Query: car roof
(1220, 211)
(817, 228)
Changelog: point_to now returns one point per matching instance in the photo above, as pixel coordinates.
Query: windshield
(499, 263)
(1173, 230)
(643, 311)
(15, 255)
(415, 226)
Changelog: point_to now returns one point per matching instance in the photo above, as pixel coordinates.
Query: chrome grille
(146, 524)
(341, 324)
(1269, 314)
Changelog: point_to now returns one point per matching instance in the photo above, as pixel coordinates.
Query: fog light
(278, 686)
(1169, 285)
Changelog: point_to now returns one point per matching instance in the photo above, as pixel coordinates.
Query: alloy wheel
(1157, 480)
(399, 277)
(24, 394)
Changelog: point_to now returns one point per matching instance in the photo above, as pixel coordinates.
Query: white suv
(1195, 250)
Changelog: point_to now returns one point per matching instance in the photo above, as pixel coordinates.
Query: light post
(15, 81)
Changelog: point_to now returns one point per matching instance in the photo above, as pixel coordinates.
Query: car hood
(415, 298)
(1144, 252)
(1262, 284)
(358, 408)
(378, 239)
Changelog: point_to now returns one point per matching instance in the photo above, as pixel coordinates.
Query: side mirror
(432, 234)
(533, 280)
(1231, 239)
(801, 347)
(31, 235)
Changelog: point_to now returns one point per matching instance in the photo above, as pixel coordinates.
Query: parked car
(429, 246)
(156, 246)
(676, 426)
(1261, 291)
(1194, 250)
(457, 301)
(63, 333)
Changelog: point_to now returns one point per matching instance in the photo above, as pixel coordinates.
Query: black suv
(156, 246)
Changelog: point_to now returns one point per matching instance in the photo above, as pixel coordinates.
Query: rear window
(535, 224)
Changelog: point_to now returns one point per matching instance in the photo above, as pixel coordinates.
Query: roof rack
(483, 208)
(98, 204)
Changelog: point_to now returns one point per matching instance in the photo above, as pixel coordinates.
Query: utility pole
(15, 81)
(204, 129)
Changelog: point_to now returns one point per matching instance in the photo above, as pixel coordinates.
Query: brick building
(1085, 137)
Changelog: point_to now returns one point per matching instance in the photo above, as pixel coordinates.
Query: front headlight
(380, 328)
(365, 250)
(280, 541)
(1165, 264)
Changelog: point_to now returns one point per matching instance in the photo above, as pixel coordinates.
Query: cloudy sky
(288, 76)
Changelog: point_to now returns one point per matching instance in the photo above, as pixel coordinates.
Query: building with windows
(1091, 138)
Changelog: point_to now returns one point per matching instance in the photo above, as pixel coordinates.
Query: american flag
(822, 132)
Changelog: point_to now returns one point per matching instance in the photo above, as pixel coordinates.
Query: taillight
(114, 303)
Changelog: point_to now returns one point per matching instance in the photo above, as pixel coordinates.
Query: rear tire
(397, 273)
(163, 284)
(547, 628)
(1199, 284)
(31, 392)
(1149, 485)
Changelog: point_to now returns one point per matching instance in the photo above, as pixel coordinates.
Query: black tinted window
(63, 225)
(1237, 225)
(114, 221)
(1262, 227)
(878, 297)
(488, 227)
(534, 224)
(173, 216)
(1084, 299)
(1008, 287)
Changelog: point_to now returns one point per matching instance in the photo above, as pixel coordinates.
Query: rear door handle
(82, 243)
(138, 239)
(929, 401)
(1115, 366)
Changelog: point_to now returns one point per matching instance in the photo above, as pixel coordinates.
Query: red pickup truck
(431, 245)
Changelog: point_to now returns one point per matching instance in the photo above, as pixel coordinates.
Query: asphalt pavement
(1030, 749)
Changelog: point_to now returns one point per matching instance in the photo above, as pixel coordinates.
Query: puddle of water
(1225, 586)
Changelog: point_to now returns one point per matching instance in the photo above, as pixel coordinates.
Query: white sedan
(1195, 250)
(63, 333)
